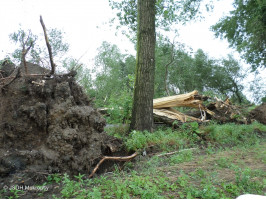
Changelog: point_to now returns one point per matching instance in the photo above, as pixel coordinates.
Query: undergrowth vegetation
(208, 161)
(190, 135)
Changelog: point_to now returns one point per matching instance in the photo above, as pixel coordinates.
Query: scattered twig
(171, 153)
(48, 46)
(125, 158)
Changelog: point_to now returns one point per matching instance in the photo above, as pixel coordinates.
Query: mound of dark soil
(48, 125)
(259, 113)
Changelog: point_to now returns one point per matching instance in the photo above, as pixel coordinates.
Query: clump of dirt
(259, 113)
(48, 125)
(226, 112)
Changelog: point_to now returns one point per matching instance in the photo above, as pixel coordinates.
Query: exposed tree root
(125, 158)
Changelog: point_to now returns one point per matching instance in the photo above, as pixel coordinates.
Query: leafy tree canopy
(188, 72)
(38, 53)
(245, 30)
(114, 73)
(168, 12)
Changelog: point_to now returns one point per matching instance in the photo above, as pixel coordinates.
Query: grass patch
(226, 161)
(191, 135)
(176, 176)
(235, 135)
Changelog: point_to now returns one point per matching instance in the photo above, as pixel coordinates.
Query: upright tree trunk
(142, 113)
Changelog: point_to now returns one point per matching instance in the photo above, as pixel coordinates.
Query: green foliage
(71, 188)
(54, 178)
(114, 72)
(181, 157)
(244, 29)
(38, 53)
(187, 73)
(258, 87)
(138, 140)
(153, 181)
(206, 191)
(83, 74)
(6, 60)
(191, 134)
(25, 39)
(168, 12)
(117, 130)
(56, 38)
(113, 84)
(204, 176)
(120, 107)
(245, 183)
(210, 188)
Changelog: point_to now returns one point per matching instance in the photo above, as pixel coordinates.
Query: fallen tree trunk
(164, 111)
(173, 114)
(163, 108)
(183, 100)
(192, 100)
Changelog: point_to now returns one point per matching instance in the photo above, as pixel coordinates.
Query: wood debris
(163, 108)
(222, 111)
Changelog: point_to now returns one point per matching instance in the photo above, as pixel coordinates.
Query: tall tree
(112, 70)
(163, 13)
(245, 29)
(142, 112)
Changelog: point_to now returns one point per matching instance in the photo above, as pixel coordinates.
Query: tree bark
(142, 111)
(48, 47)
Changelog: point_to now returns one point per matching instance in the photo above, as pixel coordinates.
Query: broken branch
(171, 153)
(48, 47)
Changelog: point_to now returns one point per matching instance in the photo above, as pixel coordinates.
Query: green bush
(120, 107)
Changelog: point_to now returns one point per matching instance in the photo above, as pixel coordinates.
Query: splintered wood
(182, 100)
(163, 107)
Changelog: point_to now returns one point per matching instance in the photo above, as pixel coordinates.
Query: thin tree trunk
(142, 112)
(24, 53)
(166, 68)
(48, 47)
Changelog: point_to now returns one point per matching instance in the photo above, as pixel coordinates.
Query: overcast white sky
(79, 19)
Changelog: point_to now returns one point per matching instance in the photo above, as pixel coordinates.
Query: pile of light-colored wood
(163, 107)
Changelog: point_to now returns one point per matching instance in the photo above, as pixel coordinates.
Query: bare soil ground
(259, 113)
